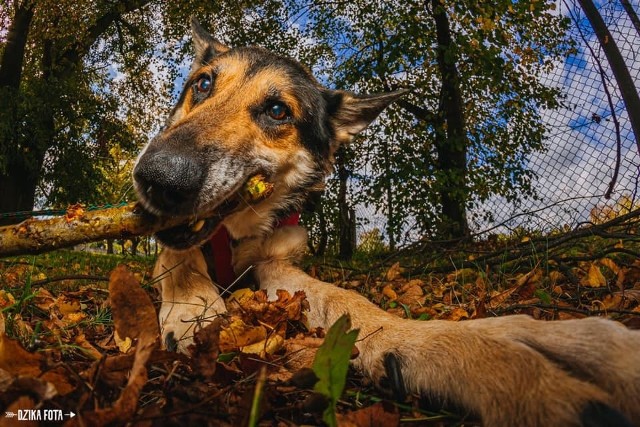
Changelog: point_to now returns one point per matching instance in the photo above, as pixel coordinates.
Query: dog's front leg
(189, 297)
(508, 371)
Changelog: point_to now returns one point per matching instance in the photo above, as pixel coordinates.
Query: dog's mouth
(197, 230)
(194, 232)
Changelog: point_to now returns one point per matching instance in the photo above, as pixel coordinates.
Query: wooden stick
(34, 236)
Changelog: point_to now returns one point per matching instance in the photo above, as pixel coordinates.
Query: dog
(245, 111)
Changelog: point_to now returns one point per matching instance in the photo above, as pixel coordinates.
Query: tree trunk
(18, 186)
(345, 221)
(24, 147)
(452, 142)
(134, 245)
(13, 54)
(391, 215)
(618, 66)
(16, 180)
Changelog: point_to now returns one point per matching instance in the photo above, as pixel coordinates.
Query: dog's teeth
(197, 226)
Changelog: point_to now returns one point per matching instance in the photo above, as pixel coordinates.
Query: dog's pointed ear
(351, 113)
(206, 46)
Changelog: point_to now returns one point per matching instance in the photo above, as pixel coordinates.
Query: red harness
(220, 245)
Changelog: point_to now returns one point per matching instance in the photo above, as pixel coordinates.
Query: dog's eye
(278, 111)
(203, 85)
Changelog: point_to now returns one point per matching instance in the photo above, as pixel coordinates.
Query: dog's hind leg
(189, 297)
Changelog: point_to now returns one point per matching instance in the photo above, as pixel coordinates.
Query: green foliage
(332, 363)
(92, 91)
(501, 51)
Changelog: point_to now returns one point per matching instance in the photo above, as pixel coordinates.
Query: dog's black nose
(168, 181)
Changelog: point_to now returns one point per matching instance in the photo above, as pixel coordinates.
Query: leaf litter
(96, 352)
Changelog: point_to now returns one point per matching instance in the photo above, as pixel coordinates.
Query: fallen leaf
(124, 345)
(456, 314)
(236, 334)
(206, 348)
(381, 414)
(394, 272)
(611, 301)
(268, 346)
(556, 277)
(134, 316)
(242, 295)
(610, 264)
(411, 293)
(388, 292)
(18, 361)
(6, 299)
(88, 349)
(67, 305)
(594, 277)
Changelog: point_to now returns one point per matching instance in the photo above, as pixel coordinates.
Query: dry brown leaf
(594, 277)
(67, 305)
(133, 316)
(381, 414)
(610, 264)
(271, 345)
(533, 276)
(458, 313)
(206, 348)
(556, 277)
(125, 407)
(612, 301)
(388, 292)
(88, 349)
(394, 272)
(6, 299)
(620, 278)
(242, 295)
(276, 314)
(411, 293)
(43, 299)
(59, 378)
(501, 297)
(124, 345)
(18, 361)
(300, 352)
(238, 334)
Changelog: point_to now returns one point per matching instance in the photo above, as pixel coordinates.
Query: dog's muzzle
(168, 182)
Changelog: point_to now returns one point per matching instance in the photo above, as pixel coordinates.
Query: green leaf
(332, 363)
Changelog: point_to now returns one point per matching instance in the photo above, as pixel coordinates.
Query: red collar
(219, 250)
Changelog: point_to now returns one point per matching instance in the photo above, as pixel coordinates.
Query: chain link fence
(586, 138)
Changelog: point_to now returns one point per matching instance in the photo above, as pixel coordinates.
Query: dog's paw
(512, 370)
(179, 320)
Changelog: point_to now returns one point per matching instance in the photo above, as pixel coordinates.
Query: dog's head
(245, 111)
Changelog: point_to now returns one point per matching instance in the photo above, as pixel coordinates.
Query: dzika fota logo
(40, 415)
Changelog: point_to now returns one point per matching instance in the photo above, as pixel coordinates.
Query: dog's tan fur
(509, 371)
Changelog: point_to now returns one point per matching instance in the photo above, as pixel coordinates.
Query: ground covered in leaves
(79, 331)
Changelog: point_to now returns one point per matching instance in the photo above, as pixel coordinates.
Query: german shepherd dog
(245, 111)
